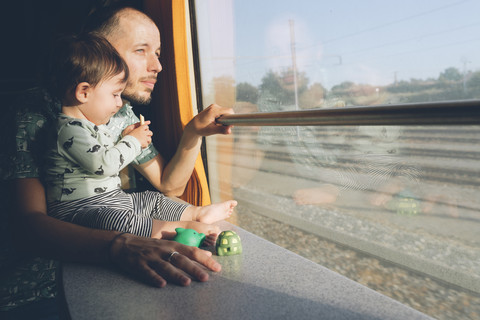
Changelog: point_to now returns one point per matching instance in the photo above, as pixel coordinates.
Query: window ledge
(264, 282)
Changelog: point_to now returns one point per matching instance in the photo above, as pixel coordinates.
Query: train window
(394, 207)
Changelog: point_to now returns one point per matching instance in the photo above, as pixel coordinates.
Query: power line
(391, 23)
(412, 38)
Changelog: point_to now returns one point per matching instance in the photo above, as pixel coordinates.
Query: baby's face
(104, 100)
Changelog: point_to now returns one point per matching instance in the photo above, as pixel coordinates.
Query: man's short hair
(105, 20)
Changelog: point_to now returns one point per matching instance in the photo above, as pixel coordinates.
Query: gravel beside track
(418, 291)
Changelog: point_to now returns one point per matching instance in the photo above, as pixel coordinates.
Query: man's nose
(155, 65)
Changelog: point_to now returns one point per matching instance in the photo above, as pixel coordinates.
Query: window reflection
(411, 200)
(403, 194)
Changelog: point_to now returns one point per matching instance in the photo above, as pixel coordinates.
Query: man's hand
(203, 124)
(152, 261)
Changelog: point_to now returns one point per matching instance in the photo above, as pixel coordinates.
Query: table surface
(264, 282)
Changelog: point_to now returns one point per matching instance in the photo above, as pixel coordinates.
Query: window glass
(393, 207)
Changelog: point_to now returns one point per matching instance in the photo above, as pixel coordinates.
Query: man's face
(139, 46)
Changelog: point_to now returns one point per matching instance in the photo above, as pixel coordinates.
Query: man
(137, 39)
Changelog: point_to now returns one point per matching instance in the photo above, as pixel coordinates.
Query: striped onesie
(83, 182)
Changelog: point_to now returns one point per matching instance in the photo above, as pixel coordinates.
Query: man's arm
(40, 234)
(171, 178)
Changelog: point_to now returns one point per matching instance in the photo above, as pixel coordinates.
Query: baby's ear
(82, 91)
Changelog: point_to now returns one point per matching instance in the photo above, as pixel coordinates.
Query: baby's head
(84, 58)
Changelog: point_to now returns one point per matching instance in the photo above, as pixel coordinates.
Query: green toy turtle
(228, 244)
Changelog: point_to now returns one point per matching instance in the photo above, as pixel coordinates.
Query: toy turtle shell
(405, 203)
(228, 243)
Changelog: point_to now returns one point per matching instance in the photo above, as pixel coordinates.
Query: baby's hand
(141, 132)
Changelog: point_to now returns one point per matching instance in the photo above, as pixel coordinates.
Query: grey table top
(264, 282)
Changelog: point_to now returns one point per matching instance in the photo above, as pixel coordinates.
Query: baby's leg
(166, 229)
(157, 206)
(211, 213)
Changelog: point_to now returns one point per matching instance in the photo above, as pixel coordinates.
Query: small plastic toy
(228, 244)
(405, 203)
(189, 237)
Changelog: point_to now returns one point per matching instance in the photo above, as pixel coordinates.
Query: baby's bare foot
(215, 212)
(380, 199)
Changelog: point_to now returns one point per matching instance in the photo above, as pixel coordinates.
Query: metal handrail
(465, 112)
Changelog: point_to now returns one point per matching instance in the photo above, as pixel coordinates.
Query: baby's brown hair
(83, 58)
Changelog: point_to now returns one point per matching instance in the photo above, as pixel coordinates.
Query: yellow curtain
(172, 98)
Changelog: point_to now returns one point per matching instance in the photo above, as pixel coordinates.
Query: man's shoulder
(32, 112)
(35, 105)
(37, 99)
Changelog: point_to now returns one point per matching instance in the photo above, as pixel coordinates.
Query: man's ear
(82, 92)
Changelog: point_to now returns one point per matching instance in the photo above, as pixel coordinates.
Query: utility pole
(465, 61)
(294, 60)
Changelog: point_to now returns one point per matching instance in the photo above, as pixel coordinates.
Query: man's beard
(136, 99)
(134, 96)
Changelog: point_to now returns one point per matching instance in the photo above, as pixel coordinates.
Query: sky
(370, 41)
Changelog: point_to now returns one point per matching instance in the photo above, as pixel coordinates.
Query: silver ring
(171, 255)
